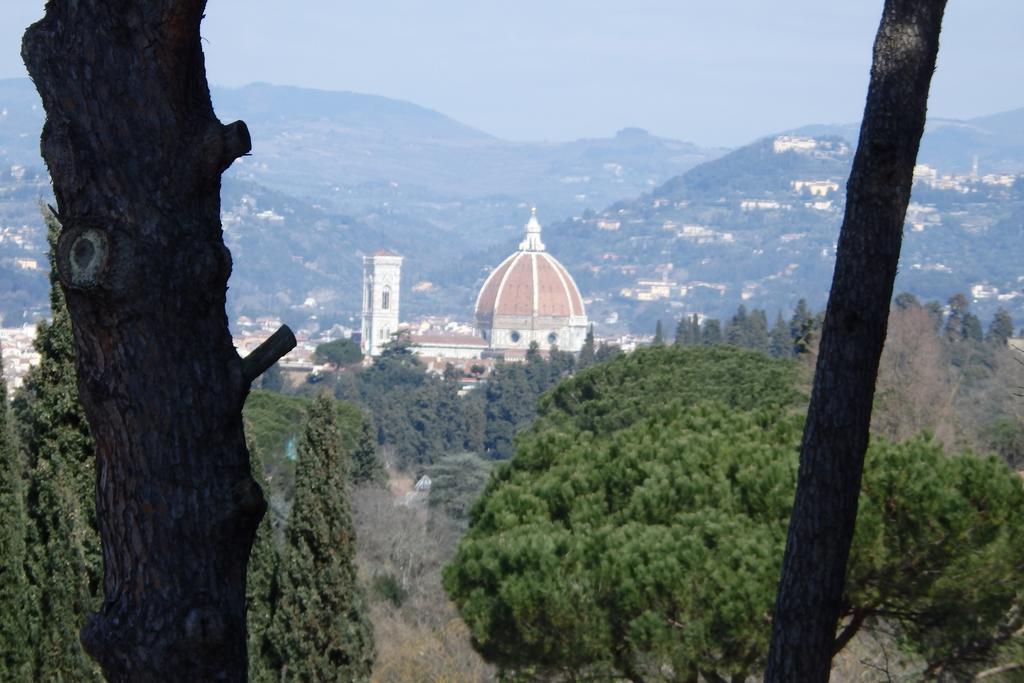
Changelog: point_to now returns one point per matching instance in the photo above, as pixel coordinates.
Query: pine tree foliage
(938, 551)
(320, 628)
(456, 482)
(639, 530)
(16, 596)
(64, 559)
(1001, 327)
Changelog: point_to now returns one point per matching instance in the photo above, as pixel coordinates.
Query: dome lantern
(532, 241)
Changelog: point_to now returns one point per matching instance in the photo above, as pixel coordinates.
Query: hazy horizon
(721, 75)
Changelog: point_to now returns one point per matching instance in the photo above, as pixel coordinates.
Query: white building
(381, 278)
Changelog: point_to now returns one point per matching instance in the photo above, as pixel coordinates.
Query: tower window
(552, 338)
(515, 336)
(385, 298)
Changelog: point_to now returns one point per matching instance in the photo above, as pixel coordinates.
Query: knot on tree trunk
(83, 256)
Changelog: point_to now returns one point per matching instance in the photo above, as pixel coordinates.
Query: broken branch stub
(268, 353)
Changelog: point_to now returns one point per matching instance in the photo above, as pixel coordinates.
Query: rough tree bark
(136, 155)
(836, 433)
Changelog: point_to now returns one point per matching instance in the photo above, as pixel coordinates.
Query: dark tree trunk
(836, 434)
(136, 155)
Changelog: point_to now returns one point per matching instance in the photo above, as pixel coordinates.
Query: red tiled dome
(528, 283)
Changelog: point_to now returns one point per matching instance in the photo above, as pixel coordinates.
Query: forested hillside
(596, 450)
(638, 533)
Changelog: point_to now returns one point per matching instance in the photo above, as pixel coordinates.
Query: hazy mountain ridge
(410, 178)
(390, 149)
(337, 175)
(996, 140)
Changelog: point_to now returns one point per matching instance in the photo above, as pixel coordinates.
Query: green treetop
(1001, 327)
(338, 352)
(456, 482)
(639, 530)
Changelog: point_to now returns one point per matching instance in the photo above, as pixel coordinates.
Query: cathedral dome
(531, 297)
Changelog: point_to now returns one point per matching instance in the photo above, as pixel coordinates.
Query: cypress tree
(683, 335)
(261, 587)
(711, 333)
(64, 563)
(509, 404)
(606, 352)
(16, 603)
(958, 305)
(366, 466)
(757, 331)
(587, 351)
(736, 331)
(659, 335)
(800, 325)
(972, 328)
(320, 629)
(779, 342)
(1001, 327)
(695, 329)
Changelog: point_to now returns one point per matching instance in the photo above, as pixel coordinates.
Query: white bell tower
(381, 277)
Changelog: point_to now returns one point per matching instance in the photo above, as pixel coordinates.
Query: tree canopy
(338, 352)
(320, 629)
(641, 524)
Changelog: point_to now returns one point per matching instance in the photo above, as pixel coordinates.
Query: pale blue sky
(710, 72)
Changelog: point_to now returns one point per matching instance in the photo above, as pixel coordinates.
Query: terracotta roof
(448, 340)
(529, 283)
(384, 252)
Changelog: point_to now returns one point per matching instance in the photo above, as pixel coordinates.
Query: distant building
(531, 297)
(451, 346)
(382, 273)
(817, 188)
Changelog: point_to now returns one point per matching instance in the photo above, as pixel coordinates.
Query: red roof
(529, 283)
(448, 340)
